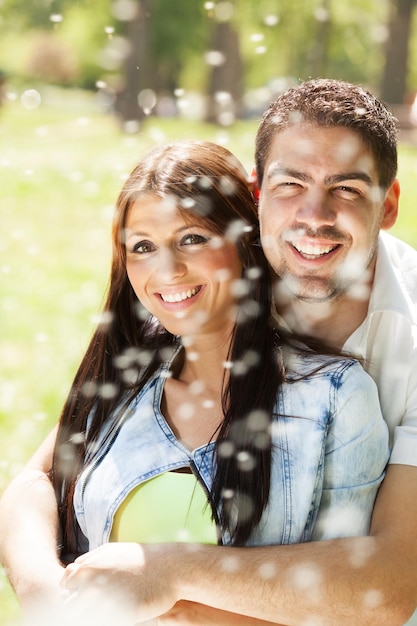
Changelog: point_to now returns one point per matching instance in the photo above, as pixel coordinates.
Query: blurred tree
(225, 83)
(51, 60)
(354, 33)
(43, 33)
(282, 39)
(35, 14)
(319, 47)
(179, 31)
(394, 78)
(148, 49)
(89, 28)
(136, 75)
(157, 51)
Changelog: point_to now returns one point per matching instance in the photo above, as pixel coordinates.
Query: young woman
(192, 418)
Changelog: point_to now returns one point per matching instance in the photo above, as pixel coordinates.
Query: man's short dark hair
(327, 103)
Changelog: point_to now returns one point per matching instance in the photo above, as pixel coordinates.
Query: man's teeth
(178, 297)
(313, 250)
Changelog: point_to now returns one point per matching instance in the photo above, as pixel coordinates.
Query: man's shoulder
(401, 254)
(402, 258)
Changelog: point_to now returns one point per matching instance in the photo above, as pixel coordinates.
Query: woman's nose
(170, 264)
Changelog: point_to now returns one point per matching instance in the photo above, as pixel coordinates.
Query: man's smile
(313, 250)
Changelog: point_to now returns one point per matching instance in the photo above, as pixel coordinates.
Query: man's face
(321, 210)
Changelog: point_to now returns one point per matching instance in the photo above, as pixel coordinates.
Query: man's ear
(253, 186)
(391, 206)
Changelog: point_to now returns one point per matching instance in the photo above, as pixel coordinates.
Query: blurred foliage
(314, 38)
(277, 38)
(58, 43)
(62, 164)
(178, 32)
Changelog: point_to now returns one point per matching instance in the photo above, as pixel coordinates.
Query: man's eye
(347, 192)
(193, 240)
(286, 188)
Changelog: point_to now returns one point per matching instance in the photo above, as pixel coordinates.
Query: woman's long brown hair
(208, 181)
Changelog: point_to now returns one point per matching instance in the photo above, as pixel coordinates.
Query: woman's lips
(180, 296)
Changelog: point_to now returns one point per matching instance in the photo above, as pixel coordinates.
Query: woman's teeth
(180, 296)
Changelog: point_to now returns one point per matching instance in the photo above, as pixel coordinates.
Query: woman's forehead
(151, 208)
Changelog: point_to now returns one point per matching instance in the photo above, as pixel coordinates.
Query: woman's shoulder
(323, 387)
(301, 361)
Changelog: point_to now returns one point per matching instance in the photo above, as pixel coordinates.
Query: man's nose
(316, 209)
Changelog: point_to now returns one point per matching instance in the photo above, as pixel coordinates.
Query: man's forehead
(313, 146)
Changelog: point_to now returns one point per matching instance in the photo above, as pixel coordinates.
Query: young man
(326, 162)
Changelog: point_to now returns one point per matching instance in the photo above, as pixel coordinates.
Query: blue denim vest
(328, 458)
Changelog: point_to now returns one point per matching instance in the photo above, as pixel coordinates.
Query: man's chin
(316, 298)
(311, 291)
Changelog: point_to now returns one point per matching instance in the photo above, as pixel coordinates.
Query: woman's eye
(193, 240)
(142, 247)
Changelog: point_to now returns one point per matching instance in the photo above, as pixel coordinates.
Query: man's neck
(331, 322)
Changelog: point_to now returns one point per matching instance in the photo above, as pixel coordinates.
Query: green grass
(61, 166)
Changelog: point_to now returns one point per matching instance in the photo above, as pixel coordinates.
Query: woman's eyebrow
(136, 232)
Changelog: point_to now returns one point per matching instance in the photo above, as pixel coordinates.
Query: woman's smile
(180, 296)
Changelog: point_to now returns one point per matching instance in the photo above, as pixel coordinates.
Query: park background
(86, 88)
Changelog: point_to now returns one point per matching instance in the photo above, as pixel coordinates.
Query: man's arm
(29, 532)
(190, 614)
(362, 580)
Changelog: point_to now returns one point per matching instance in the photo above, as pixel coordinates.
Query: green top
(169, 508)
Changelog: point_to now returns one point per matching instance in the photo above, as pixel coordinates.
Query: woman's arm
(29, 532)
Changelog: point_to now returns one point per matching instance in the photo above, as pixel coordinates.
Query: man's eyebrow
(279, 170)
(340, 178)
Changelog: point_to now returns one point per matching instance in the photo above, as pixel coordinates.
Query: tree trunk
(226, 78)
(137, 64)
(394, 80)
(319, 46)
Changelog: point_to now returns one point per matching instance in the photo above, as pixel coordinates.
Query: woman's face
(180, 270)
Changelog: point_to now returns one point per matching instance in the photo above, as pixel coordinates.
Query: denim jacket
(328, 458)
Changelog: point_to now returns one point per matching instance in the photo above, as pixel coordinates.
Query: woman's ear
(391, 206)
